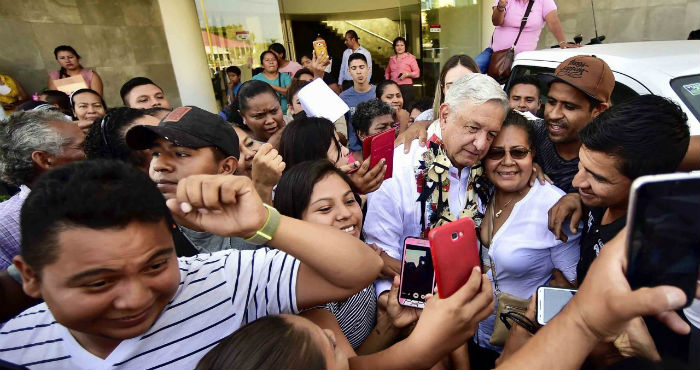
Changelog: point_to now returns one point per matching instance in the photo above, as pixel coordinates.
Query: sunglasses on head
(515, 153)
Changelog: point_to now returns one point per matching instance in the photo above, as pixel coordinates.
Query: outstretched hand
(221, 204)
(418, 130)
(569, 206)
(366, 180)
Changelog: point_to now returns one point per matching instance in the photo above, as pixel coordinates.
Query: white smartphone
(550, 301)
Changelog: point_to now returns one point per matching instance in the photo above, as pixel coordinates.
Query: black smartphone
(663, 232)
(550, 301)
(417, 273)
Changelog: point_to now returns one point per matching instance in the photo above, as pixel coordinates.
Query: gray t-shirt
(206, 242)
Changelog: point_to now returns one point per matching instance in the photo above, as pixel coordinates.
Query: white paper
(318, 100)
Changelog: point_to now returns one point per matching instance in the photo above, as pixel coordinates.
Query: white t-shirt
(218, 293)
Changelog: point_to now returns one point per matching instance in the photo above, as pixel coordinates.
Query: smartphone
(550, 301)
(380, 146)
(417, 274)
(320, 48)
(455, 253)
(663, 232)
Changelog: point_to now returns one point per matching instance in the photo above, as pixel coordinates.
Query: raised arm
(334, 265)
(499, 13)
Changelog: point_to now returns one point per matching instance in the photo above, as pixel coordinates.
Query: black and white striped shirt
(356, 315)
(218, 293)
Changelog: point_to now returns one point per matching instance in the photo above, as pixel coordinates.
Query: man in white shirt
(352, 41)
(116, 296)
(470, 118)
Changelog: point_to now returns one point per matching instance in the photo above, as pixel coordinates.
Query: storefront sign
(434, 28)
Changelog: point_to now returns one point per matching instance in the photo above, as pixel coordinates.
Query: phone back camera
(455, 236)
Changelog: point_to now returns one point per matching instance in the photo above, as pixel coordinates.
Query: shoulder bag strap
(493, 265)
(524, 21)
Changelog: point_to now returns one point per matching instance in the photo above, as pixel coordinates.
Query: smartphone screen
(417, 275)
(550, 301)
(664, 232)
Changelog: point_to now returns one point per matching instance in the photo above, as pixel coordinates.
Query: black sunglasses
(515, 153)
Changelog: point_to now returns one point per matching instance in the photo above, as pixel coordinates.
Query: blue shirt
(344, 75)
(282, 81)
(352, 98)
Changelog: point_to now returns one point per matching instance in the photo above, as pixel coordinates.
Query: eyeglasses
(515, 153)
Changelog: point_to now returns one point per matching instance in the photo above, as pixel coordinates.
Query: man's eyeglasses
(515, 153)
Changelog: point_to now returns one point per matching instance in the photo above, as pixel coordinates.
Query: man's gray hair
(20, 135)
(478, 89)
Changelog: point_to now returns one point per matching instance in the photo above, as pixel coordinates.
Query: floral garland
(433, 185)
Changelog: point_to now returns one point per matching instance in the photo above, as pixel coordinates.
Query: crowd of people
(154, 236)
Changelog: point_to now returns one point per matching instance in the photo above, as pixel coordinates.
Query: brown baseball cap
(589, 74)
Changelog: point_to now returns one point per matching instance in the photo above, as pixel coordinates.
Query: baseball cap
(591, 75)
(188, 126)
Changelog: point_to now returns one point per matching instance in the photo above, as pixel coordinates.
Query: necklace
(498, 214)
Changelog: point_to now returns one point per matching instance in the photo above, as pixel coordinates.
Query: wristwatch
(267, 231)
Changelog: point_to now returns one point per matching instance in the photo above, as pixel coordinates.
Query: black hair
(379, 90)
(257, 70)
(83, 91)
(296, 185)
(306, 54)
(365, 112)
(62, 72)
(515, 118)
(307, 139)
(132, 83)
(270, 342)
(356, 56)
(105, 138)
(294, 89)
(233, 69)
(526, 80)
(303, 71)
(393, 44)
(59, 98)
(85, 194)
(262, 56)
(278, 48)
(353, 34)
(251, 89)
(154, 111)
(648, 134)
(422, 104)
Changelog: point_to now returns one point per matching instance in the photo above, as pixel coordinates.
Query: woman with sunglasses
(522, 252)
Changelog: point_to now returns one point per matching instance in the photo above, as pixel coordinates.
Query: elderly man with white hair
(442, 181)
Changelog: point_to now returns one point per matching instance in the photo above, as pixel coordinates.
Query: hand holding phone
(417, 274)
(455, 253)
(663, 232)
(380, 146)
(320, 49)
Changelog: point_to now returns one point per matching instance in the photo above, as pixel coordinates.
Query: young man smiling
(115, 294)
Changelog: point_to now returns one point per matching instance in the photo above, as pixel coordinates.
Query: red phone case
(455, 253)
(380, 146)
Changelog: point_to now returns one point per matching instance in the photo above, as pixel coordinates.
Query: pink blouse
(395, 67)
(505, 34)
(85, 73)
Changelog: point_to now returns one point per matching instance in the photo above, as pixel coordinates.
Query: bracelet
(503, 9)
(267, 231)
(562, 42)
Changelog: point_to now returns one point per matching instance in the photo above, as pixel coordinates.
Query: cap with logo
(188, 126)
(591, 75)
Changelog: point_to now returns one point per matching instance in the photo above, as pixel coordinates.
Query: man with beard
(579, 91)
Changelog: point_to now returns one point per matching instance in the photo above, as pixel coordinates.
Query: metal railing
(369, 32)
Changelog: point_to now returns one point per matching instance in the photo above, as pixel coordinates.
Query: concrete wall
(626, 20)
(119, 39)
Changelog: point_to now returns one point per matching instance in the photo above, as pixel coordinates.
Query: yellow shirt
(13, 96)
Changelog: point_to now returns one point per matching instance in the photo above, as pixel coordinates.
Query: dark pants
(408, 93)
(481, 358)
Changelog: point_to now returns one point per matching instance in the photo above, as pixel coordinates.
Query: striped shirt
(218, 293)
(356, 315)
(558, 169)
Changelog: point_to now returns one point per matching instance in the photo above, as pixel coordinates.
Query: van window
(688, 89)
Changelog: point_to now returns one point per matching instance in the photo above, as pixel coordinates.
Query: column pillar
(184, 37)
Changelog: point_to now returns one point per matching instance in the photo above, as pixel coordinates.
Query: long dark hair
(307, 139)
(455, 60)
(270, 342)
(62, 73)
(293, 192)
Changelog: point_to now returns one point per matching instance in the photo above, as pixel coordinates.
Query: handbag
(502, 60)
(507, 304)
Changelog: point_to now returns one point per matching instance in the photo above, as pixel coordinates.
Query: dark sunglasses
(515, 153)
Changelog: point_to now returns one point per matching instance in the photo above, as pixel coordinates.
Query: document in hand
(318, 100)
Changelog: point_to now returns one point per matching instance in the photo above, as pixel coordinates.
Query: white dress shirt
(344, 75)
(393, 211)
